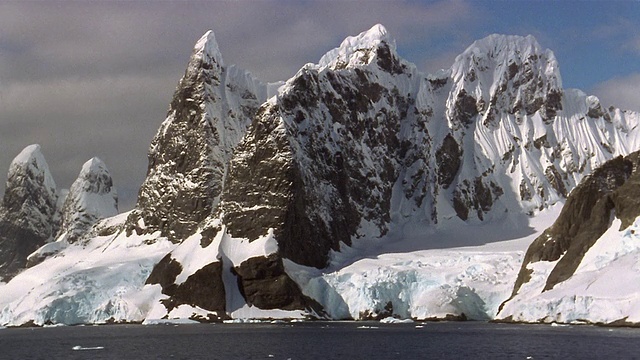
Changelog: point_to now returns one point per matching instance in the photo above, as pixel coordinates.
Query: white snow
(603, 289)
(426, 276)
(392, 320)
(96, 282)
(252, 312)
(351, 48)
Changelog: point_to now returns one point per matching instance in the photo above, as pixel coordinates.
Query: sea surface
(321, 340)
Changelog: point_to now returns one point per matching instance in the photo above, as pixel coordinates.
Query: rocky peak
(502, 73)
(91, 197)
(29, 214)
(209, 113)
(206, 48)
(30, 195)
(333, 134)
(372, 45)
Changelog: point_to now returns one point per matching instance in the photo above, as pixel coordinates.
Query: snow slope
(602, 290)
(97, 281)
(413, 278)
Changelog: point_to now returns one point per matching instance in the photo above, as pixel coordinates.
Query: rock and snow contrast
(29, 215)
(361, 188)
(585, 268)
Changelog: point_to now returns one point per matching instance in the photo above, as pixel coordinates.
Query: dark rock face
(476, 195)
(203, 289)
(264, 283)
(448, 159)
(585, 217)
(465, 108)
(16, 243)
(188, 157)
(29, 216)
(320, 149)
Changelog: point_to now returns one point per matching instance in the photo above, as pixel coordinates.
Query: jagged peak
(488, 64)
(93, 165)
(206, 49)
(91, 197)
(94, 177)
(352, 45)
(496, 44)
(31, 156)
(506, 50)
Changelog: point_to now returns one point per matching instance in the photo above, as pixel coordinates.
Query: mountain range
(361, 188)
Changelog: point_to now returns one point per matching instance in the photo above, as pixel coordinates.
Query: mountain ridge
(242, 189)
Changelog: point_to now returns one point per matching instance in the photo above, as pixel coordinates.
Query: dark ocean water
(321, 340)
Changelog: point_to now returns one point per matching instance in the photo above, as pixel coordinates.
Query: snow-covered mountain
(29, 214)
(584, 267)
(208, 116)
(268, 206)
(37, 219)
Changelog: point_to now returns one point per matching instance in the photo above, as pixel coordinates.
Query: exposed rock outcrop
(29, 216)
(264, 283)
(188, 157)
(610, 189)
(203, 289)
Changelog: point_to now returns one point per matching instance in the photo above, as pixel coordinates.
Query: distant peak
(369, 39)
(31, 158)
(377, 33)
(27, 154)
(93, 165)
(497, 44)
(29, 166)
(208, 45)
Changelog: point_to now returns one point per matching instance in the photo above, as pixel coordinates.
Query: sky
(92, 78)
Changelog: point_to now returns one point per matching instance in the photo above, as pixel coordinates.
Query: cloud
(275, 41)
(622, 92)
(95, 78)
(113, 118)
(622, 32)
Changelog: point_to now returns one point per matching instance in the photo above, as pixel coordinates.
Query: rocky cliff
(609, 193)
(29, 216)
(188, 158)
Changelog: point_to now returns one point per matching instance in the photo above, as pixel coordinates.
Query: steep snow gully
(361, 188)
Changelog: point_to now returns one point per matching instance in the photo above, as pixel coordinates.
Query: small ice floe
(367, 327)
(78, 348)
(392, 320)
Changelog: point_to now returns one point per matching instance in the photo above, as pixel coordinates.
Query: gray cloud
(623, 93)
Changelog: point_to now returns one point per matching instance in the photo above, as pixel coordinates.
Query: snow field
(96, 282)
(603, 289)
